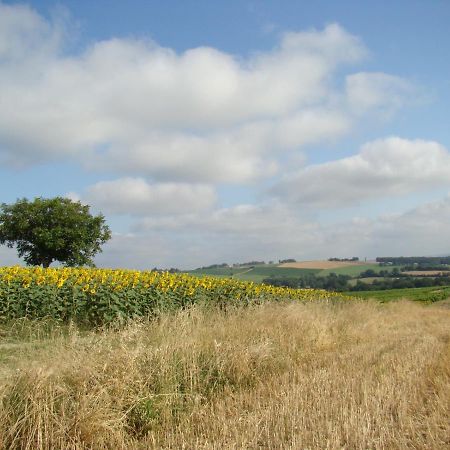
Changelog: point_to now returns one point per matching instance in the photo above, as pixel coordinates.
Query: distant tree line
(171, 270)
(426, 267)
(250, 263)
(341, 283)
(401, 283)
(331, 282)
(354, 259)
(408, 260)
(226, 265)
(214, 266)
(400, 273)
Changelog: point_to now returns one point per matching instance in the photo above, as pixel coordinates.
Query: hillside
(257, 273)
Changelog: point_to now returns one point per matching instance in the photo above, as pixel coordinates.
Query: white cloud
(423, 230)
(271, 232)
(137, 252)
(8, 256)
(377, 91)
(384, 167)
(174, 126)
(140, 109)
(25, 35)
(137, 197)
(236, 155)
(242, 232)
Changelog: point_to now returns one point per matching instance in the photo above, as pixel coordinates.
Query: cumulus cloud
(138, 197)
(423, 230)
(236, 155)
(8, 257)
(141, 109)
(274, 231)
(384, 167)
(25, 36)
(229, 234)
(270, 232)
(174, 127)
(377, 91)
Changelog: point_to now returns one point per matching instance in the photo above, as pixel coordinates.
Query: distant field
(323, 264)
(428, 294)
(255, 274)
(219, 272)
(356, 270)
(292, 270)
(258, 273)
(427, 273)
(367, 280)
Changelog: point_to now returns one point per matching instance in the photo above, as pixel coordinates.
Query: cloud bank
(201, 115)
(383, 168)
(169, 134)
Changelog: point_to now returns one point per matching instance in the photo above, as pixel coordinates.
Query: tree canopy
(55, 229)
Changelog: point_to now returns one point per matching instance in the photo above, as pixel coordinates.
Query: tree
(56, 229)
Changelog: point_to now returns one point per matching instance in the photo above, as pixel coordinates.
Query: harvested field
(348, 375)
(322, 264)
(427, 273)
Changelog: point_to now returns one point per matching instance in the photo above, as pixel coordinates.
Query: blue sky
(226, 131)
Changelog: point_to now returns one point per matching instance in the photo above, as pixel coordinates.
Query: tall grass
(349, 375)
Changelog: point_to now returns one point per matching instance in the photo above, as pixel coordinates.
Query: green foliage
(255, 274)
(404, 260)
(223, 272)
(99, 296)
(427, 294)
(332, 282)
(57, 229)
(357, 270)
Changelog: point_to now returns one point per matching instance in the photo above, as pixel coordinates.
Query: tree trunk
(46, 262)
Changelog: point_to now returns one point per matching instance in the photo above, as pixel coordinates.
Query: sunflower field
(100, 296)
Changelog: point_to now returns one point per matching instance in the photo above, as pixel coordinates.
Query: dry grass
(427, 273)
(301, 376)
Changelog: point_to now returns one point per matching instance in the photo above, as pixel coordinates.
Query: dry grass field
(354, 375)
(427, 273)
(322, 264)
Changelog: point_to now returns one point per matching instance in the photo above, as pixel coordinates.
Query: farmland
(275, 375)
(255, 273)
(95, 358)
(100, 296)
(344, 275)
(322, 264)
(428, 294)
(357, 269)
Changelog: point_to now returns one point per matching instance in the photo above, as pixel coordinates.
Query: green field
(256, 273)
(428, 294)
(356, 270)
(368, 280)
(223, 272)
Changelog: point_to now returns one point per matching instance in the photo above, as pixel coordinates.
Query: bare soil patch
(321, 264)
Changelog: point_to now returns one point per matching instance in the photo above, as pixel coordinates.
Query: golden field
(283, 375)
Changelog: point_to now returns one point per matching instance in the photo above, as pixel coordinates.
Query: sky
(212, 131)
